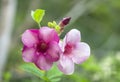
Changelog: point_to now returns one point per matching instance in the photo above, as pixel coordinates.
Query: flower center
(68, 49)
(42, 47)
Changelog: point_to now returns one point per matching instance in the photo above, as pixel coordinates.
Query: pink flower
(41, 47)
(74, 51)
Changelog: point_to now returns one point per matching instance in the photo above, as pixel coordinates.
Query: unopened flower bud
(64, 22)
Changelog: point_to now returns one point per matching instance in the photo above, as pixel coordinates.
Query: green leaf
(7, 76)
(76, 77)
(31, 68)
(37, 15)
(56, 80)
(54, 74)
(91, 64)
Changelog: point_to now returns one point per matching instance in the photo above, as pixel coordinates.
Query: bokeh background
(98, 21)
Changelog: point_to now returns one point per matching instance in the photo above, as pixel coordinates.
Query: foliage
(37, 15)
(52, 75)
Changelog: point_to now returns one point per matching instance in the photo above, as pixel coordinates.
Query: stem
(46, 79)
(39, 25)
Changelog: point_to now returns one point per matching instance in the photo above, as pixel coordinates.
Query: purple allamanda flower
(73, 51)
(41, 47)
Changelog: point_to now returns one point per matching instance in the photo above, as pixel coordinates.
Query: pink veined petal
(53, 52)
(73, 36)
(66, 65)
(48, 34)
(43, 63)
(81, 52)
(29, 37)
(28, 54)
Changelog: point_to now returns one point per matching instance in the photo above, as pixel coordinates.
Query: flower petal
(73, 36)
(54, 52)
(81, 52)
(29, 37)
(66, 65)
(28, 54)
(61, 45)
(43, 63)
(48, 34)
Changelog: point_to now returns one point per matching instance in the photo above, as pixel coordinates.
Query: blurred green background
(98, 22)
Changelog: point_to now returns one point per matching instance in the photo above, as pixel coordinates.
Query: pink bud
(64, 22)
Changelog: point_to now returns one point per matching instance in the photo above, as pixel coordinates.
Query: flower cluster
(43, 47)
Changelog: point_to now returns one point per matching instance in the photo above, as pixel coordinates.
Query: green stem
(39, 25)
